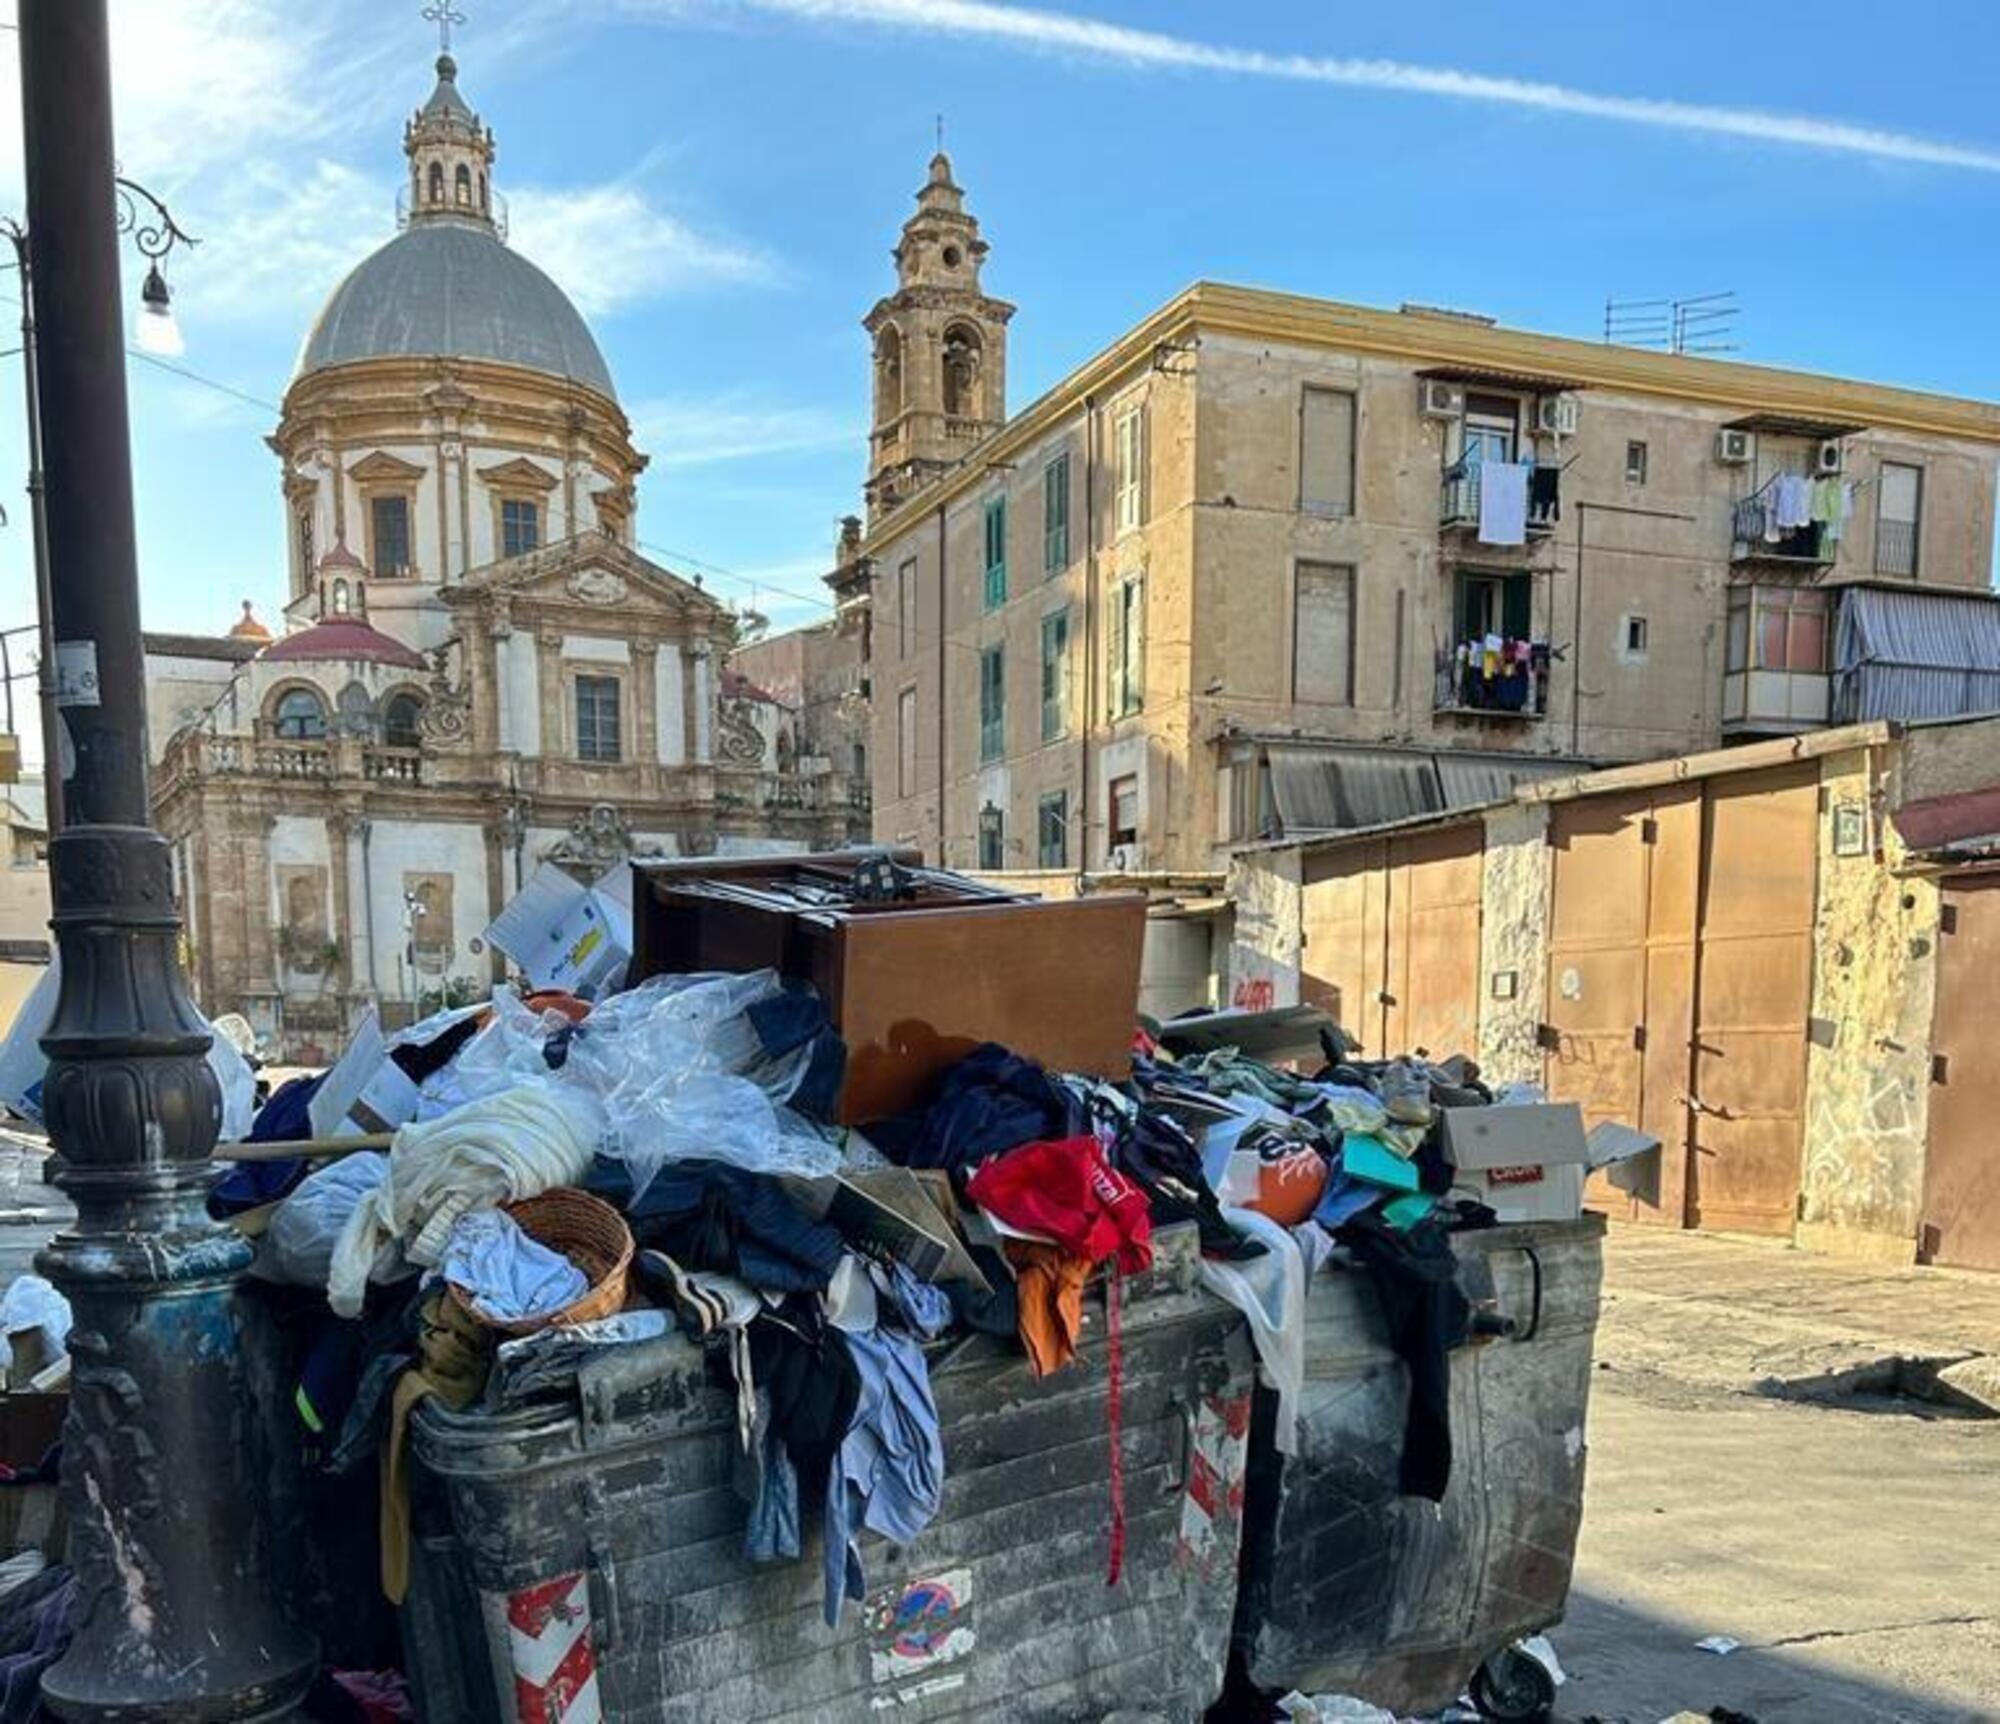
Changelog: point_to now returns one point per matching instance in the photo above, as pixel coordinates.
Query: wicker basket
(592, 1235)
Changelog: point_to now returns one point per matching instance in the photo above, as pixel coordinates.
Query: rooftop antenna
(443, 15)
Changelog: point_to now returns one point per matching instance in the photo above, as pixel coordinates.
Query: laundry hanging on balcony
(1831, 504)
(1503, 503)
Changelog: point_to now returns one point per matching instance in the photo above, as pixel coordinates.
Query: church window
(597, 718)
(463, 185)
(482, 191)
(339, 606)
(961, 373)
(389, 518)
(400, 720)
(520, 526)
(305, 541)
(888, 374)
(437, 182)
(300, 716)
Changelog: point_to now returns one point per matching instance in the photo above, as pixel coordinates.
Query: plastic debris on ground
(1297, 1708)
(1722, 1645)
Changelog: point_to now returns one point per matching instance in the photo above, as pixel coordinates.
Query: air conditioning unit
(1437, 399)
(1556, 415)
(1827, 462)
(1735, 448)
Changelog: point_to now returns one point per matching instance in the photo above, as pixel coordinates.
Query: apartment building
(1269, 564)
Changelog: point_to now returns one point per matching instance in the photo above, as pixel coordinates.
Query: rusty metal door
(1431, 963)
(1753, 992)
(1343, 912)
(1620, 985)
(1962, 1177)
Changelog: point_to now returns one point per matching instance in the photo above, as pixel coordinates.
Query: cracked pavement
(1850, 1540)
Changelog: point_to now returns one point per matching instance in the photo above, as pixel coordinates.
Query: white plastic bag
(298, 1244)
(683, 1077)
(32, 1305)
(23, 1065)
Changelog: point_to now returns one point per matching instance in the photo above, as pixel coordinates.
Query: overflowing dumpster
(824, 1298)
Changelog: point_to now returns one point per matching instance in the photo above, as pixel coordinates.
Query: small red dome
(344, 638)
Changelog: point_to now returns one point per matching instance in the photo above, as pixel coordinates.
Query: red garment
(1066, 1190)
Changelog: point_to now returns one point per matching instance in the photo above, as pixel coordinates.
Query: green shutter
(1055, 515)
(996, 553)
(1517, 597)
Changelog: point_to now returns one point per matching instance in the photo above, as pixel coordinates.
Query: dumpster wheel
(1513, 1688)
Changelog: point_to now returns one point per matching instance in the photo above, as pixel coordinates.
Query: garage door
(1962, 1181)
(1392, 941)
(1623, 883)
(1753, 992)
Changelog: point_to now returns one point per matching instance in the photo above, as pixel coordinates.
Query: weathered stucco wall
(1868, 1063)
(1264, 942)
(1513, 943)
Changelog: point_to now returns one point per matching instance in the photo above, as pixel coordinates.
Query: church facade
(479, 671)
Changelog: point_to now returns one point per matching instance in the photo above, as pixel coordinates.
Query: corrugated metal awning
(1541, 382)
(1791, 425)
(1913, 655)
(1333, 789)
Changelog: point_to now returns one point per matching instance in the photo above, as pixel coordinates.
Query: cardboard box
(1525, 1163)
(567, 935)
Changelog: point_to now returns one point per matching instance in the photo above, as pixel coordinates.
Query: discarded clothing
(1048, 1288)
(285, 1118)
(550, 1358)
(1270, 1291)
(509, 1276)
(888, 1475)
(454, 1356)
(710, 1215)
(769, 1483)
(1157, 1152)
(1065, 1191)
(803, 1364)
(513, 1144)
(990, 1102)
(37, 1620)
(1416, 1278)
(795, 1019)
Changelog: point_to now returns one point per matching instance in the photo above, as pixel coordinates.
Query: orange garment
(1048, 1287)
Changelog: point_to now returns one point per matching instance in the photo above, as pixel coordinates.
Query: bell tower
(940, 349)
(451, 156)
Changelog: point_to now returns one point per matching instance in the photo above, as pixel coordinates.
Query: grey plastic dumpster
(1348, 1587)
(585, 1561)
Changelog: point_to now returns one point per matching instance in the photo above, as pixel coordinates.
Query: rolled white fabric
(1270, 1291)
(495, 1149)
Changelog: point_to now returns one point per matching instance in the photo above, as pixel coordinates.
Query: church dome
(451, 289)
(342, 639)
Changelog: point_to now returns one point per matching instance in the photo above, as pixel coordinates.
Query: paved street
(1852, 1545)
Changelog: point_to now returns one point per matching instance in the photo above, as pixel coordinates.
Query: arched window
(464, 186)
(888, 374)
(482, 193)
(300, 716)
(339, 606)
(400, 721)
(437, 182)
(961, 373)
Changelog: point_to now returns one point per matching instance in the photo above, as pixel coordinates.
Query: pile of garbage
(501, 1192)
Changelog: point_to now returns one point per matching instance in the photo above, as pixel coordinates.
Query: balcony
(1896, 548)
(393, 765)
(1756, 536)
(1510, 684)
(1462, 497)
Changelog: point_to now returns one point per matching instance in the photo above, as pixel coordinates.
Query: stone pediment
(383, 468)
(518, 474)
(592, 570)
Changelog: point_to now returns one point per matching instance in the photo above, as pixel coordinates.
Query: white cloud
(1089, 38)
(688, 431)
(609, 248)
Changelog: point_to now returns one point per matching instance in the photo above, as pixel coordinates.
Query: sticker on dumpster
(916, 1629)
(1532, 1174)
(549, 1652)
(1212, 1505)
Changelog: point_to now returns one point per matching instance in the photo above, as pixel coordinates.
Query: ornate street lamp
(177, 1614)
(155, 233)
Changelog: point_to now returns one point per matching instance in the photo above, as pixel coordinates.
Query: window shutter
(1323, 634)
(1326, 452)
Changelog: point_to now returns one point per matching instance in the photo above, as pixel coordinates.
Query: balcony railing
(1462, 492)
(1509, 683)
(393, 765)
(1757, 540)
(1895, 547)
(286, 758)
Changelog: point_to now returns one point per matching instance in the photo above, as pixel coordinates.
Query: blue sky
(719, 182)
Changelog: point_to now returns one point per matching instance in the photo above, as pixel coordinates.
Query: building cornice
(1420, 339)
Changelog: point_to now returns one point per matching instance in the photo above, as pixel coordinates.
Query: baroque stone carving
(598, 838)
(597, 587)
(445, 712)
(738, 738)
